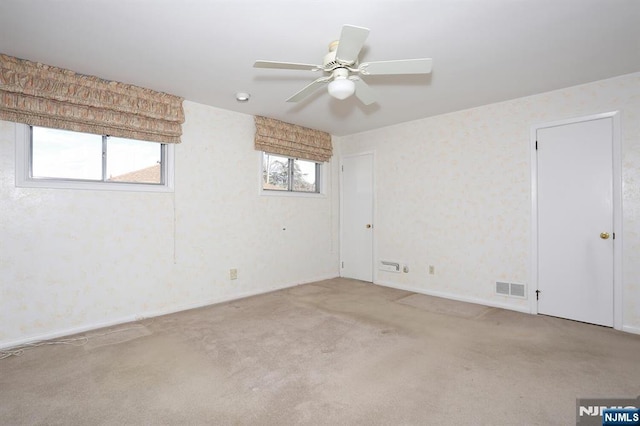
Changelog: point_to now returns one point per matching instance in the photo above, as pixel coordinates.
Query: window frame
(320, 179)
(25, 179)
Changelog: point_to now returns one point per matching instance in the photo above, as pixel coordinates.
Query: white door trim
(373, 213)
(617, 212)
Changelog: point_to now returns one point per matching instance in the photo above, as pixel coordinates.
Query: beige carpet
(438, 305)
(334, 352)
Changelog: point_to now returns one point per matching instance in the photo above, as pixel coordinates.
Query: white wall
(72, 260)
(453, 191)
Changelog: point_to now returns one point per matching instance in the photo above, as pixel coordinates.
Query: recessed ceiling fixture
(242, 97)
(343, 72)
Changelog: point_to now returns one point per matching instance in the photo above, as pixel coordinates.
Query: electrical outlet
(432, 269)
(405, 269)
(233, 274)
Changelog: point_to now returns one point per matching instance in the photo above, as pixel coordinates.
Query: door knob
(368, 225)
(604, 235)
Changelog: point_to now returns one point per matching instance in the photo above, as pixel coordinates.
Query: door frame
(617, 211)
(374, 251)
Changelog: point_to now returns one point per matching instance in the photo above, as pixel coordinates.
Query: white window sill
(91, 186)
(271, 193)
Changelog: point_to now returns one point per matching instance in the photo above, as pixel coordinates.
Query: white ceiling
(483, 51)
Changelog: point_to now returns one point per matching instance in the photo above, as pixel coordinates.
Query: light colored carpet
(114, 336)
(438, 305)
(334, 352)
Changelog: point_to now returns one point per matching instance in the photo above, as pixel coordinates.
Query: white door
(357, 217)
(575, 221)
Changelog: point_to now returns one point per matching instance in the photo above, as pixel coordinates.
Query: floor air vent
(511, 289)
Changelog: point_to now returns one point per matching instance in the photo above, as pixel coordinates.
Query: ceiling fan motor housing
(340, 73)
(330, 62)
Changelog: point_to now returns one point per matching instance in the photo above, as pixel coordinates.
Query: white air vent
(511, 289)
(389, 266)
(502, 288)
(517, 290)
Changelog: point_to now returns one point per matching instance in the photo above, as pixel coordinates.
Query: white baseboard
(150, 314)
(65, 332)
(523, 309)
(625, 328)
(630, 329)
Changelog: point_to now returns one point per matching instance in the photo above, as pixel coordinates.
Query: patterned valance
(277, 137)
(42, 95)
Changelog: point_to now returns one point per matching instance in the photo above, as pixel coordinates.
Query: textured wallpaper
(76, 259)
(454, 191)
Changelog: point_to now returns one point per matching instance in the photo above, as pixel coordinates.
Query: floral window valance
(277, 137)
(42, 95)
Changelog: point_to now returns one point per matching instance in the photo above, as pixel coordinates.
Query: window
(290, 174)
(65, 159)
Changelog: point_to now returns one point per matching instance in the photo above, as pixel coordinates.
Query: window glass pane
(65, 154)
(131, 160)
(275, 172)
(304, 176)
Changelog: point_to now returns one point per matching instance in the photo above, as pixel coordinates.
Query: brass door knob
(604, 235)
(368, 225)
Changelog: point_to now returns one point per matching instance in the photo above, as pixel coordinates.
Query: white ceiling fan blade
(363, 92)
(351, 41)
(405, 66)
(309, 89)
(286, 65)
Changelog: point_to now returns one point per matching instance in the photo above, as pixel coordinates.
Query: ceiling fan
(343, 71)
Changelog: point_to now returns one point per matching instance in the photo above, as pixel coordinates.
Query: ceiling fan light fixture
(341, 88)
